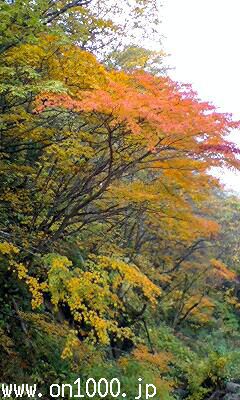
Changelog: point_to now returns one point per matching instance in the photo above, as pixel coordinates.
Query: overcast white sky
(203, 38)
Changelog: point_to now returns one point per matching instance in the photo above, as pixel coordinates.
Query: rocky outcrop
(230, 392)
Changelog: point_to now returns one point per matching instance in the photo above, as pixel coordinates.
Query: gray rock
(231, 396)
(217, 395)
(233, 387)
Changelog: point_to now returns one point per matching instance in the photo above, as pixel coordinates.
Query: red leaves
(165, 115)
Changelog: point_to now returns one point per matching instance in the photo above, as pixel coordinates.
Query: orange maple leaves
(165, 115)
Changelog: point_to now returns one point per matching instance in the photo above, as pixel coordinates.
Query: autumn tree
(108, 207)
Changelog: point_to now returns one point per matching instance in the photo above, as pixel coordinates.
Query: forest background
(119, 249)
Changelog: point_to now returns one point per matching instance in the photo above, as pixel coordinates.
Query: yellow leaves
(88, 289)
(79, 69)
(232, 299)
(26, 54)
(21, 270)
(60, 263)
(66, 63)
(119, 76)
(123, 362)
(216, 366)
(36, 289)
(94, 295)
(8, 248)
(132, 275)
(221, 362)
(71, 344)
(17, 200)
(58, 276)
(101, 327)
(71, 155)
(86, 292)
